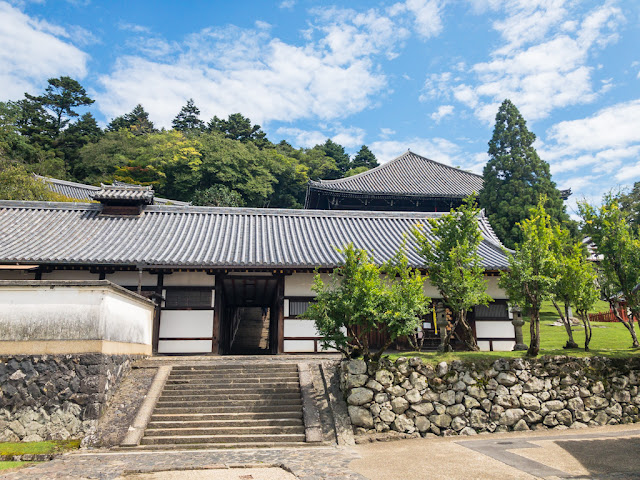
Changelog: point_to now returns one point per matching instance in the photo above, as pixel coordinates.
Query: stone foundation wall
(509, 394)
(55, 397)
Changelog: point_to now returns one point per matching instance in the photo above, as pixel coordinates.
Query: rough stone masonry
(460, 398)
(56, 397)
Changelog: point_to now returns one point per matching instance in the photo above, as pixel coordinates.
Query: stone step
(217, 446)
(160, 410)
(229, 391)
(288, 375)
(225, 386)
(232, 417)
(229, 396)
(225, 403)
(254, 423)
(236, 368)
(208, 431)
(213, 439)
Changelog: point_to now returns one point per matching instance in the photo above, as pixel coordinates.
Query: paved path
(605, 453)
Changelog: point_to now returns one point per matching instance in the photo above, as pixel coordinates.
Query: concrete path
(594, 453)
(604, 453)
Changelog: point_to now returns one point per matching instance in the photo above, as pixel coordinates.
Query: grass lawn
(34, 448)
(608, 339)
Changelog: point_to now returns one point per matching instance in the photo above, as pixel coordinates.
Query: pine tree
(364, 158)
(187, 120)
(515, 177)
(336, 151)
(137, 121)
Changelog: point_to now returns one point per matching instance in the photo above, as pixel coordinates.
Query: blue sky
(427, 75)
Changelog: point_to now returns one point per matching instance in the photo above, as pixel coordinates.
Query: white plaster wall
(299, 284)
(300, 328)
(189, 279)
(125, 320)
(73, 313)
(493, 290)
(17, 274)
(495, 329)
(70, 275)
(186, 323)
(298, 346)
(130, 279)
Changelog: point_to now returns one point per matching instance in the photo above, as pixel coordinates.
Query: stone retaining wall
(56, 397)
(509, 394)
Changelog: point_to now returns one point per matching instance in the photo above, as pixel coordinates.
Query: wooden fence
(608, 316)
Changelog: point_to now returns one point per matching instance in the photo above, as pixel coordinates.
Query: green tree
(77, 135)
(364, 158)
(355, 171)
(619, 244)
(61, 97)
(136, 121)
(336, 151)
(357, 300)
(532, 269)
(16, 183)
(574, 283)
(217, 196)
(239, 127)
(455, 266)
(515, 177)
(630, 204)
(188, 119)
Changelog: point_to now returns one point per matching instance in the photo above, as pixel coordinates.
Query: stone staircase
(253, 331)
(256, 405)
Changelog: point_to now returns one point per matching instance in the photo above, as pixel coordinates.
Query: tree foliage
(239, 127)
(16, 183)
(136, 121)
(357, 300)
(364, 158)
(455, 266)
(187, 120)
(532, 269)
(515, 177)
(619, 244)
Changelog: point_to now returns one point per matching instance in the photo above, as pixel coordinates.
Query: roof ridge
(67, 182)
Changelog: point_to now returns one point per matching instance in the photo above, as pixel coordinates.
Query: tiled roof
(81, 191)
(207, 237)
(127, 193)
(408, 174)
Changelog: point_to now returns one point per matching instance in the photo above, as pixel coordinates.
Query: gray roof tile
(408, 174)
(74, 233)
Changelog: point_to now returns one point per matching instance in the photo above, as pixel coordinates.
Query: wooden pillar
(157, 312)
(280, 302)
(217, 314)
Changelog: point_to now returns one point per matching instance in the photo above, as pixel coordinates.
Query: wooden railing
(608, 316)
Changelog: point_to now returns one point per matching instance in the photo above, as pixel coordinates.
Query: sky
(425, 75)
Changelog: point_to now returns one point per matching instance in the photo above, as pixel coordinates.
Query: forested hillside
(222, 162)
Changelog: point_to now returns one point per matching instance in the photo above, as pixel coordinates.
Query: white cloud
(287, 4)
(428, 21)
(438, 149)
(443, 111)
(543, 62)
(348, 137)
(386, 133)
(227, 70)
(132, 27)
(32, 51)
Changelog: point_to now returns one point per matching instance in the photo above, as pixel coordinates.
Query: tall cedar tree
(239, 127)
(515, 177)
(188, 119)
(455, 266)
(364, 158)
(136, 121)
(336, 151)
(532, 269)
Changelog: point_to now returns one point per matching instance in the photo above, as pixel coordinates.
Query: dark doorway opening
(249, 316)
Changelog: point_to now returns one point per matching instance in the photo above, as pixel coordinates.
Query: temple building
(409, 182)
(223, 280)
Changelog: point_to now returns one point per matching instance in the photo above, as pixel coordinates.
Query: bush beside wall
(460, 398)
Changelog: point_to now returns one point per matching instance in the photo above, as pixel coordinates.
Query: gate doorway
(249, 316)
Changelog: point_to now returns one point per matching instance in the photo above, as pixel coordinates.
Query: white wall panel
(495, 329)
(184, 346)
(186, 323)
(503, 345)
(70, 275)
(299, 284)
(300, 328)
(484, 345)
(298, 346)
(189, 279)
(130, 279)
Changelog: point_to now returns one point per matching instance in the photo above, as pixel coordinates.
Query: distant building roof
(207, 237)
(127, 193)
(408, 174)
(84, 192)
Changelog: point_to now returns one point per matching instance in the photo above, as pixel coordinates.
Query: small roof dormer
(123, 199)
